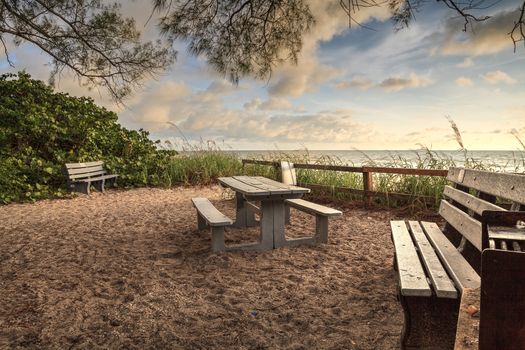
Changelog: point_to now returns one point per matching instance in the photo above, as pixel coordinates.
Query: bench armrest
(502, 218)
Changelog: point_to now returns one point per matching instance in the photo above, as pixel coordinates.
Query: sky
(353, 88)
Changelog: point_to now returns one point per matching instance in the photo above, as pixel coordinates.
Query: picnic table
(272, 196)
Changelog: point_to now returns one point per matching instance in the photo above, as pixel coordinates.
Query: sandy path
(127, 269)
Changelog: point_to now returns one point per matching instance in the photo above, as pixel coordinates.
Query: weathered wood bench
(321, 212)
(436, 266)
(80, 176)
(208, 215)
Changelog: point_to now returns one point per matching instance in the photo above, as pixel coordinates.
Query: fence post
(367, 187)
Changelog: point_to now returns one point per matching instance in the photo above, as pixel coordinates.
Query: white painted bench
(80, 176)
(321, 213)
(208, 215)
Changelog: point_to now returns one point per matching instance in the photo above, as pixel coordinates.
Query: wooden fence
(368, 187)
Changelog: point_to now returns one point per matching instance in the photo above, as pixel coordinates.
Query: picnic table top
(260, 186)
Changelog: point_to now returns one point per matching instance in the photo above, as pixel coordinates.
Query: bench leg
(99, 185)
(217, 239)
(286, 214)
(201, 223)
(82, 187)
(430, 322)
(321, 228)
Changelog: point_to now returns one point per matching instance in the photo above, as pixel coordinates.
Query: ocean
(499, 160)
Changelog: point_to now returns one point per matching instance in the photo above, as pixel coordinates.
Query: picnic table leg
(240, 215)
(267, 225)
(279, 239)
(250, 217)
(244, 216)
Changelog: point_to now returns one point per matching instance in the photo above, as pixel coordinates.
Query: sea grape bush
(41, 130)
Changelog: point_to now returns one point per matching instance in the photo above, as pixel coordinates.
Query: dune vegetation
(41, 130)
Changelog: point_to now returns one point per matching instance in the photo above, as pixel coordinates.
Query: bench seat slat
(96, 178)
(412, 279)
(443, 286)
(476, 204)
(458, 268)
(312, 208)
(211, 214)
(85, 175)
(469, 227)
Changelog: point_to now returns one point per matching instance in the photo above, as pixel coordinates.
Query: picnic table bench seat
(80, 176)
(208, 215)
(437, 266)
(321, 212)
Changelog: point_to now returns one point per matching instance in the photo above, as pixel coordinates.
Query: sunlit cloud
(398, 83)
(464, 82)
(390, 84)
(496, 77)
(273, 103)
(359, 82)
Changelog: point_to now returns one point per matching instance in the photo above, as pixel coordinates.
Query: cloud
(398, 83)
(467, 62)
(258, 121)
(482, 38)
(309, 73)
(273, 103)
(253, 105)
(496, 77)
(464, 82)
(391, 84)
(359, 82)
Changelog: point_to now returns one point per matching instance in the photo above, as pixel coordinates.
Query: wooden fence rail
(368, 187)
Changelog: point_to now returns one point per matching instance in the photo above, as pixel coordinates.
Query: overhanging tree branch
(88, 37)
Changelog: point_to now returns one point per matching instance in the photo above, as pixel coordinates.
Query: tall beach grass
(204, 162)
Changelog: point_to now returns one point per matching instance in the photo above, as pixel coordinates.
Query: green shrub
(41, 130)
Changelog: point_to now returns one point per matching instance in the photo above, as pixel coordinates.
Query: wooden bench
(80, 176)
(321, 213)
(208, 215)
(435, 266)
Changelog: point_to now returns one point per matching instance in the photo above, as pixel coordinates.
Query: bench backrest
(474, 191)
(77, 171)
(502, 322)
